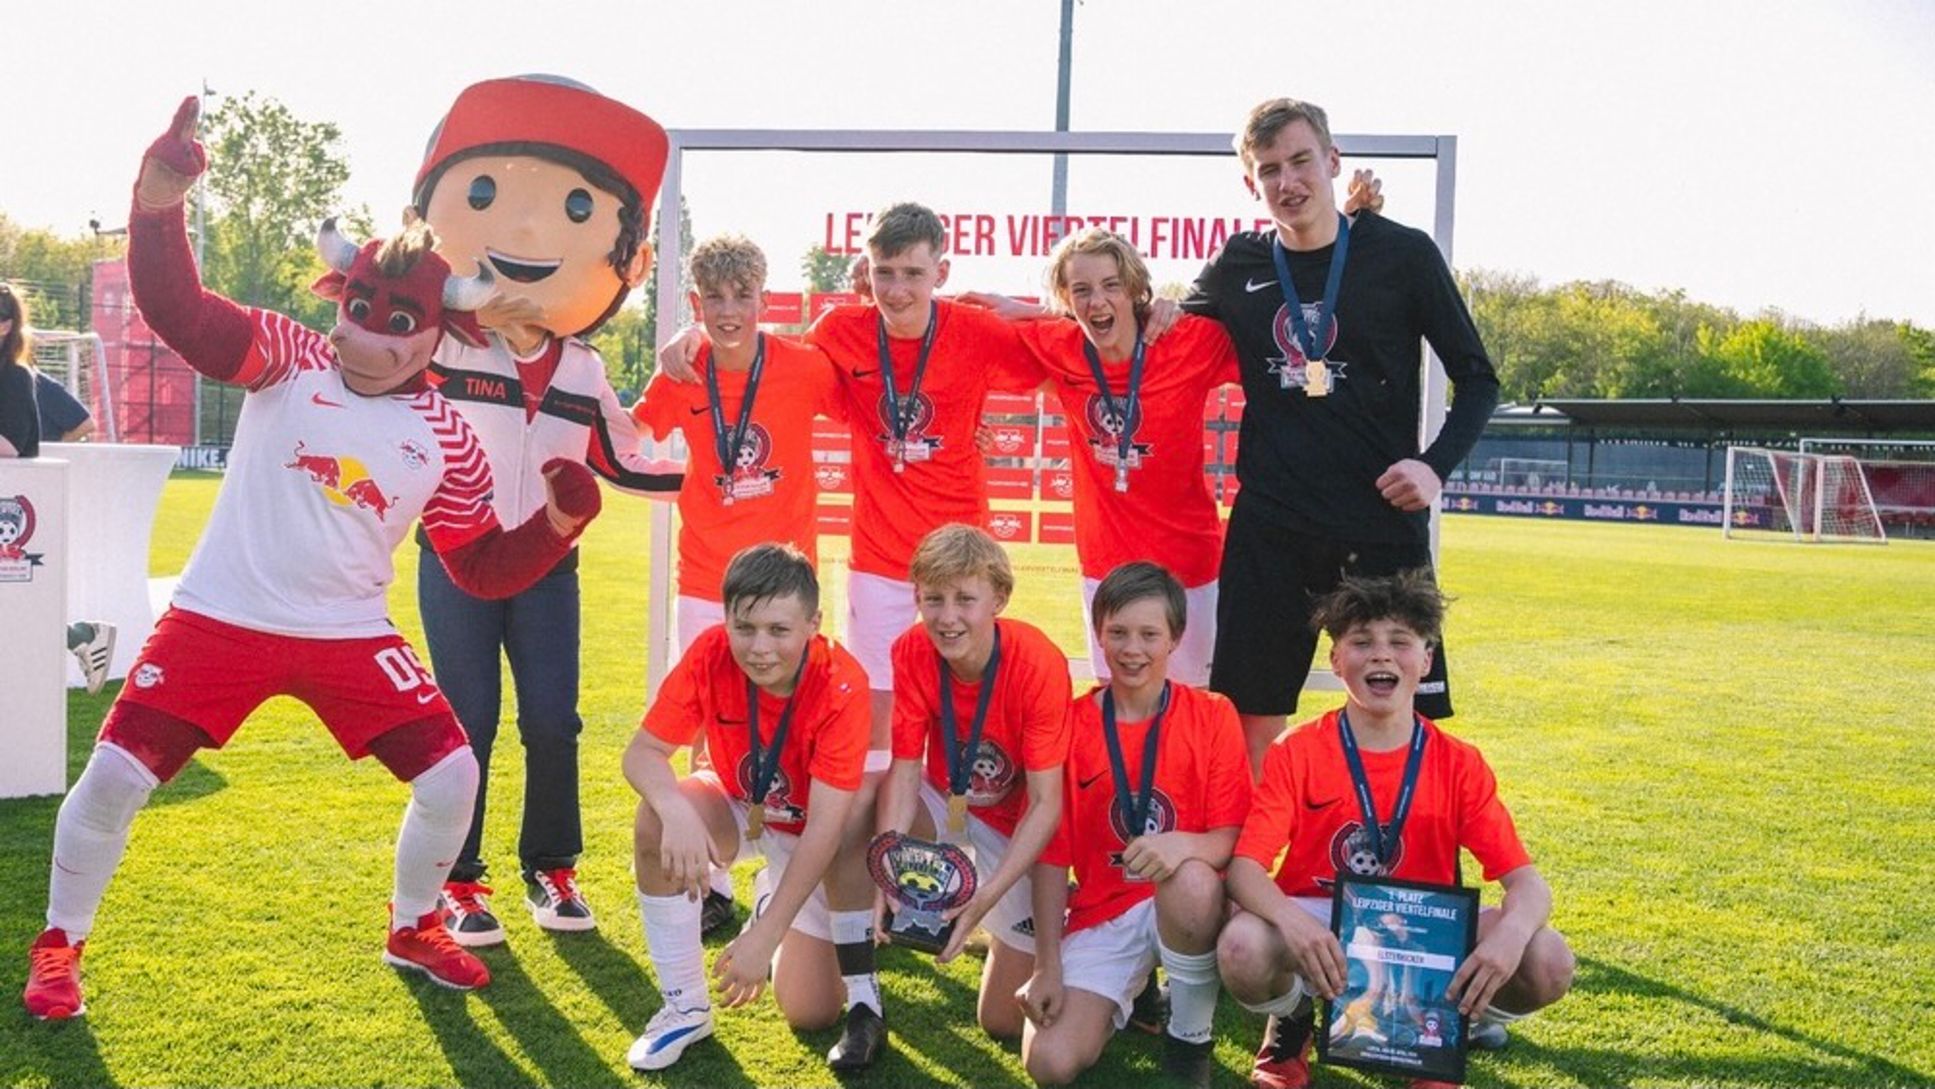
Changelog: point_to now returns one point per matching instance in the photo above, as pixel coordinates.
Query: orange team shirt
(827, 740)
(1202, 782)
(1167, 515)
(1305, 801)
(773, 489)
(946, 479)
(1027, 727)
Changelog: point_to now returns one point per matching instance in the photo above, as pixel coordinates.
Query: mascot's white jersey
(322, 485)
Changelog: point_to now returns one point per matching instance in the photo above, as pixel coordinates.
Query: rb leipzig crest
(922, 881)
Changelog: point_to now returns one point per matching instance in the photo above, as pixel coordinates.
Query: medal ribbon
(1132, 403)
(1134, 806)
(1362, 783)
(898, 411)
(763, 771)
(727, 442)
(1310, 344)
(960, 757)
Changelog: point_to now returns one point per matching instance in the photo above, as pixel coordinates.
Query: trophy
(922, 880)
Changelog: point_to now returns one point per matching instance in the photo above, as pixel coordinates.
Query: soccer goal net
(1534, 473)
(79, 363)
(1784, 495)
(1900, 474)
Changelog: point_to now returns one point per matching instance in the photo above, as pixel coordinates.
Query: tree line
(274, 176)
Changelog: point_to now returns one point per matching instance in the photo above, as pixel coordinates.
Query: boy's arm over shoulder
(996, 344)
(615, 450)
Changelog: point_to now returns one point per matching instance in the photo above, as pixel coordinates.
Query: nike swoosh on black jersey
(1252, 286)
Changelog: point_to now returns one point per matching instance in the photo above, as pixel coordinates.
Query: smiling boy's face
(1381, 664)
(545, 231)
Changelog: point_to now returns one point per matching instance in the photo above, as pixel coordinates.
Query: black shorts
(1270, 578)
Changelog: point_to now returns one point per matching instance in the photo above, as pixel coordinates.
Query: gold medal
(756, 820)
(957, 808)
(1316, 378)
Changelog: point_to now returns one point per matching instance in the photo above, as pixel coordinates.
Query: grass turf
(1717, 752)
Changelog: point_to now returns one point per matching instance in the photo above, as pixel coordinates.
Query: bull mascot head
(395, 300)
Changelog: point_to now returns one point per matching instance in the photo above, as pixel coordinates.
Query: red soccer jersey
(1202, 782)
(1167, 515)
(771, 481)
(1027, 725)
(827, 740)
(945, 478)
(1306, 802)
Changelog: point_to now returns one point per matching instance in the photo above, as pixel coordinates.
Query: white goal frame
(668, 281)
(104, 420)
(1812, 467)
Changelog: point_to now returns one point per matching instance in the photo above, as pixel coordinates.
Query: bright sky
(1757, 154)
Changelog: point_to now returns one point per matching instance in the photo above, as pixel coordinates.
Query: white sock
(434, 825)
(1193, 987)
(721, 881)
(678, 959)
(1495, 1016)
(91, 833)
(853, 945)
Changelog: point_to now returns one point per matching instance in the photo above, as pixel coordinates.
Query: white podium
(112, 492)
(34, 564)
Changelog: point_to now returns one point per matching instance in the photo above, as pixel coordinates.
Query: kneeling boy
(1433, 793)
(1158, 784)
(784, 712)
(981, 706)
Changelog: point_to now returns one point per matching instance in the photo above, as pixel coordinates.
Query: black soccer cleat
(860, 1042)
(717, 912)
(1187, 1064)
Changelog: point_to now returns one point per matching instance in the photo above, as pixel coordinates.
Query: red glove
(572, 495)
(172, 162)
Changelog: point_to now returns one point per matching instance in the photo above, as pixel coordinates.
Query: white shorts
(1012, 919)
(695, 615)
(815, 918)
(1318, 908)
(1113, 959)
(879, 609)
(1189, 663)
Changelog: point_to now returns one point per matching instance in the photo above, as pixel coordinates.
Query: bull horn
(338, 252)
(469, 292)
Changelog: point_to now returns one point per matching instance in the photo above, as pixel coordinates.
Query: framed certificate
(1402, 941)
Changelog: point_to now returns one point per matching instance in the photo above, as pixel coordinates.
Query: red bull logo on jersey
(345, 481)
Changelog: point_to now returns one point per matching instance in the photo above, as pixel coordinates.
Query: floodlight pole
(1058, 191)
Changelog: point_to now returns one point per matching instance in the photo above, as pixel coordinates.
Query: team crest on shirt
(991, 776)
(1350, 852)
(779, 800)
(748, 477)
(1106, 427)
(918, 412)
(17, 524)
(413, 453)
(1162, 818)
(1289, 364)
(344, 481)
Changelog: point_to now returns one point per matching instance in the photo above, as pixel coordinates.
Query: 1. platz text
(981, 234)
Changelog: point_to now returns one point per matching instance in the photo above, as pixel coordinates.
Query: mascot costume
(340, 445)
(549, 186)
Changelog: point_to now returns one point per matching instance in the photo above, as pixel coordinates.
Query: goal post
(1439, 150)
(1807, 497)
(78, 361)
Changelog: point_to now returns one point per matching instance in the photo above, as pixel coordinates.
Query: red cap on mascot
(541, 109)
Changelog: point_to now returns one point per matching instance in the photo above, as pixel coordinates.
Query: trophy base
(928, 935)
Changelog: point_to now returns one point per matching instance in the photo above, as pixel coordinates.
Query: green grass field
(1718, 753)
